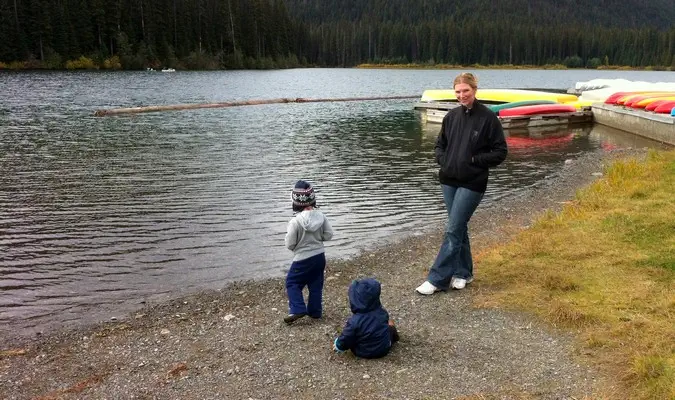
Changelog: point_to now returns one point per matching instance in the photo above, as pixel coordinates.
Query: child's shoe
(290, 318)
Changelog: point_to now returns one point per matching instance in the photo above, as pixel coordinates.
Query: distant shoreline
(506, 66)
(15, 66)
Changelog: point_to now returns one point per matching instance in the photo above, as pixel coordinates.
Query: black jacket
(470, 142)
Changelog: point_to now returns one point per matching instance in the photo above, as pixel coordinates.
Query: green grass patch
(604, 268)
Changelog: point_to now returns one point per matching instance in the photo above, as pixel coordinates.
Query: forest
(264, 34)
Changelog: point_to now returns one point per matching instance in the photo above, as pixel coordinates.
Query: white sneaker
(469, 280)
(427, 288)
(458, 283)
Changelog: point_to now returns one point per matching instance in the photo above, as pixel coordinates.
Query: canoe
(579, 104)
(614, 97)
(497, 107)
(498, 96)
(646, 102)
(636, 99)
(666, 107)
(627, 98)
(651, 106)
(539, 109)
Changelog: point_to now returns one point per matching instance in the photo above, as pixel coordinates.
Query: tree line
(234, 34)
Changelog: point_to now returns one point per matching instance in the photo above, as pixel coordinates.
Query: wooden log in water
(137, 110)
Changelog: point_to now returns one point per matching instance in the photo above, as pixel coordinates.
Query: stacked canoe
(656, 102)
(516, 108)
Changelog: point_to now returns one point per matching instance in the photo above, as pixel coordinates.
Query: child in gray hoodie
(305, 235)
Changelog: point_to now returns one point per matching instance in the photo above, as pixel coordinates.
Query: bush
(593, 63)
(81, 63)
(200, 61)
(112, 63)
(53, 60)
(15, 65)
(573, 62)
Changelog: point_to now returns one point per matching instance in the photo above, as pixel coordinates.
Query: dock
(659, 127)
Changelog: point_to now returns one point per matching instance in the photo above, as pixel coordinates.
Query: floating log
(136, 110)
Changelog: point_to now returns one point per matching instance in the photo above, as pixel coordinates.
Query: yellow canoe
(579, 104)
(499, 95)
(644, 103)
(623, 99)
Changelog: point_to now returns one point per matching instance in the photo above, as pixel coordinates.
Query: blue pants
(454, 256)
(307, 272)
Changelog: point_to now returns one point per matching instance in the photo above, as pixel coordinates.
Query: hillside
(534, 32)
(263, 34)
(659, 14)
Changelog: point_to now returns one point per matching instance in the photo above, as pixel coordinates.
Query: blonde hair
(468, 78)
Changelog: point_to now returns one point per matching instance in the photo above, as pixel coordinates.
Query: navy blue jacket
(366, 333)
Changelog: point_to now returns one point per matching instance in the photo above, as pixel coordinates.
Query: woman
(470, 142)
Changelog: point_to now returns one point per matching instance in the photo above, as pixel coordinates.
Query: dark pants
(307, 272)
(454, 257)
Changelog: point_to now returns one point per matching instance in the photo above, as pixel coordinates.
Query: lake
(101, 214)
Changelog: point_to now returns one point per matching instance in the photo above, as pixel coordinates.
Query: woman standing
(470, 142)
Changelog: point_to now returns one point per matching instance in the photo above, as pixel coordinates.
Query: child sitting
(369, 333)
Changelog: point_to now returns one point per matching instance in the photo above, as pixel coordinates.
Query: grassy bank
(604, 269)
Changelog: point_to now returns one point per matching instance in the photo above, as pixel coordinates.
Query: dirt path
(232, 343)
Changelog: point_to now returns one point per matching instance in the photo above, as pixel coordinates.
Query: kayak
(651, 106)
(498, 107)
(499, 96)
(538, 109)
(646, 102)
(666, 107)
(631, 102)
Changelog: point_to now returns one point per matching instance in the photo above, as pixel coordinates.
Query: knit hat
(303, 196)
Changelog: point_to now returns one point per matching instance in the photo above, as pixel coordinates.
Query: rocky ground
(233, 344)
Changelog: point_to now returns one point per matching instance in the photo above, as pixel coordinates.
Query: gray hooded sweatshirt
(306, 233)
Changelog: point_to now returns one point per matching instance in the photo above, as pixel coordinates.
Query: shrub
(593, 63)
(573, 62)
(112, 63)
(81, 63)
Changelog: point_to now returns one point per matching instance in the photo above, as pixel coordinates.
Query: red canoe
(537, 109)
(651, 106)
(614, 97)
(666, 107)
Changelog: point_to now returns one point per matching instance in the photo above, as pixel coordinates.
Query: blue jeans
(308, 272)
(454, 257)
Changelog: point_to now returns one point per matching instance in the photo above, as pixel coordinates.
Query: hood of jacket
(310, 220)
(364, 295)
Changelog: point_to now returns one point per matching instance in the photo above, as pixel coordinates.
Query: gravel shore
(232, 343)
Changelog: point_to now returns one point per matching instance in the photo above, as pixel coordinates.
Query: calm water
(100, 214)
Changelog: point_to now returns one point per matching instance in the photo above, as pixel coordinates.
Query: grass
(604, 269)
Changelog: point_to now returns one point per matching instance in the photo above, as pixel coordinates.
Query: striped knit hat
(303, 196)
